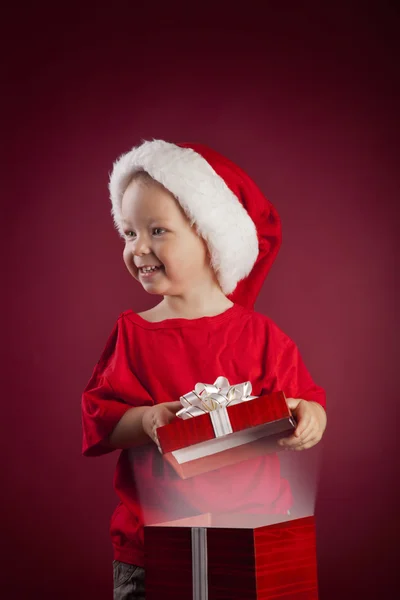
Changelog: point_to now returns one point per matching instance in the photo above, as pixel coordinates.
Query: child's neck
(174, 307)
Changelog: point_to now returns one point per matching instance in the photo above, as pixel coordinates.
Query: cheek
(175, 261)
(128, 260)
(199, 253)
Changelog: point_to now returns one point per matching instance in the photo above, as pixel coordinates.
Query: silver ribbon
(214, 399)
(199, 563)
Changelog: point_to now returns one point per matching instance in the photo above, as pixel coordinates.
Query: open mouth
(146, 273)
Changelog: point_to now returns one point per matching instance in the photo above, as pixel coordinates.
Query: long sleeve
(112, 390)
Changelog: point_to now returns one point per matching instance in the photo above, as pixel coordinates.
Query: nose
(141, 246)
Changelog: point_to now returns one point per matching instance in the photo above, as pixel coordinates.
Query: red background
(304, 100)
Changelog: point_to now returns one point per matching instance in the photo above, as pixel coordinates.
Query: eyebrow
(155, 220)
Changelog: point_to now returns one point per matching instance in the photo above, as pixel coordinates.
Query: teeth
(148, 269)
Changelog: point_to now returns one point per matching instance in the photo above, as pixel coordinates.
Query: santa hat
(240, 226)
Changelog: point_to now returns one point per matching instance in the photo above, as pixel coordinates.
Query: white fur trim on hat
(220, 218)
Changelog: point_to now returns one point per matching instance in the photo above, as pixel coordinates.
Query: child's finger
(299, 439)
(302, 426)
(295, 445)
(306, 431)
(177, 404)
(308, 444)
(306, 439)
(308, 435)
(289, 442)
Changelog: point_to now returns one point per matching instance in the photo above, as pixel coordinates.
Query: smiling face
(157, 232)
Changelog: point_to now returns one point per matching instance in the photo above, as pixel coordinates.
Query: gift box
(228, 557)
(221, 425)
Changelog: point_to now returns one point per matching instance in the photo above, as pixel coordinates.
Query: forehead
(147, 202)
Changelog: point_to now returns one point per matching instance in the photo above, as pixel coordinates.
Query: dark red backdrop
(303, 100)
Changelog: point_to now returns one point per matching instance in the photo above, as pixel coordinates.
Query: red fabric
(261, 211)
(145, 363)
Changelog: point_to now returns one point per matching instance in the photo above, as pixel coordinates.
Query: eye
(157, 231)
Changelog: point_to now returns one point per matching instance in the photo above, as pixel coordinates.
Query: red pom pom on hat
(241, 227)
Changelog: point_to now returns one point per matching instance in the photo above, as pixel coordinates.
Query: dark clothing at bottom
(128, 581)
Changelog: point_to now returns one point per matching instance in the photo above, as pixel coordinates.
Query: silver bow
(206, 397)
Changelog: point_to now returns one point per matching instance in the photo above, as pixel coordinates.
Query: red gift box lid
(181, 433)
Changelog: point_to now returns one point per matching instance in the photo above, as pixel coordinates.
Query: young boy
(199, 233)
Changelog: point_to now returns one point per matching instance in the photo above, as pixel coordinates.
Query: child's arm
(139, 424)
(110, 422)
(117, 410)
(305, 398)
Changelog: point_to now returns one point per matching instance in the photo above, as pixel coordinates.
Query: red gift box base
(232, 456)
(253, 562)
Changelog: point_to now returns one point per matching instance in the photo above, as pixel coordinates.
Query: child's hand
(157, 416)
(311, 424)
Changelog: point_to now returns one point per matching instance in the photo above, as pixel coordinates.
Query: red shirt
(146, 363)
